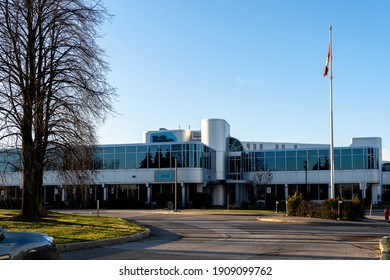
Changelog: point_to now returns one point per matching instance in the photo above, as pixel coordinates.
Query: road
(238, 236)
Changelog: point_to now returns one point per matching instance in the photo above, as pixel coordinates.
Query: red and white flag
(327, 62)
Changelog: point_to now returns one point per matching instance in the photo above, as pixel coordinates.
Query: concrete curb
(102, 243)
(383, 247)
(306, 220)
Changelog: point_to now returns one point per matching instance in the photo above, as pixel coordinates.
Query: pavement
(371, 218)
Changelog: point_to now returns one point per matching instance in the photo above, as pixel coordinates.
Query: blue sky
(257, 64)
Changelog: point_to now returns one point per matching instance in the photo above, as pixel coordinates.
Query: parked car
(27, 246)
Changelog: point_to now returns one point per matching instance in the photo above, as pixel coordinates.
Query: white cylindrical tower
(215, 134)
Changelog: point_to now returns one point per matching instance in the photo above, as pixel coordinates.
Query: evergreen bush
(308, 208)
(329, 209)
(293, 204)
(332, 209)
(353, 210)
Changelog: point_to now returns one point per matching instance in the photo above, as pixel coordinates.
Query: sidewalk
(368, 221)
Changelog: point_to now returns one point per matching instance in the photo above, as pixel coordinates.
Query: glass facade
(113, 157)
(311, 159)
(188, 155)
(10, 161)
(197, 155)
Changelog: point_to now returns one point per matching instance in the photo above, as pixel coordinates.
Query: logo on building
(162, 137)
(164, 176)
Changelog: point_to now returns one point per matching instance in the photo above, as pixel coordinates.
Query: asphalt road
(238, 236)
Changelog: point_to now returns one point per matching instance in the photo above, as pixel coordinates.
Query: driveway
(238, 236)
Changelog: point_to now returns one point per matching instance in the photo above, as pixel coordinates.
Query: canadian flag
(327, 62)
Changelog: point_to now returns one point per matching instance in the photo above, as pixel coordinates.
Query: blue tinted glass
(120, 149)
(313, 160)
(131, 161)
(109, 161)
(131, 149)
(346, 152)
(109, 150)
(291, 153)
(120, 161)
(153, 148)
(98, 162)
(270, 164)
(142, 148)
(301, 153)
(291, 160)
(280, 161)
(176, 147)
(358, 158)
(337, 162)
(346, 161)
(280, 164)
(323, 160)
(301, 162)
(142, 160)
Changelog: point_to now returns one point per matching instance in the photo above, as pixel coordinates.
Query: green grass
(66, 228)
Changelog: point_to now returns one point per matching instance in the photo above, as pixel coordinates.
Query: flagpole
(332, 185)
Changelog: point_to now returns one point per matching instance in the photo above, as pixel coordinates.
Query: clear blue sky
(256, 63)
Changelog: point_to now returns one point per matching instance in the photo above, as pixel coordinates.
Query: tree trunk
(32, 172)
(32, 182)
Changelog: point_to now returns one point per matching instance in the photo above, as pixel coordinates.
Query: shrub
(351, 210)
(329, 209)
(293, 204)
(308, 208)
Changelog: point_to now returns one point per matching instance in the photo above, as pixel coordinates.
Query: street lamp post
(175, 185)
(305, 167)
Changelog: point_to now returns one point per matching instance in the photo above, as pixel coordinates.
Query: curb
(297, 220)
(307, 220)
(383, 248)
(101, 243)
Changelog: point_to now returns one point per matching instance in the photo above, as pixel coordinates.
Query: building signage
(162, 137)
(164, 176)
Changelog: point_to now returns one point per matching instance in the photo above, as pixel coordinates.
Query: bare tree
(261, 178)
(53, 87)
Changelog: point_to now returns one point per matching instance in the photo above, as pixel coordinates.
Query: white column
(286, 191)
(104, 191)
(183, 195)
(149, 193)
(63, 194)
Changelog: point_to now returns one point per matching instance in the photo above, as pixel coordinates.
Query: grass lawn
(66, 228)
